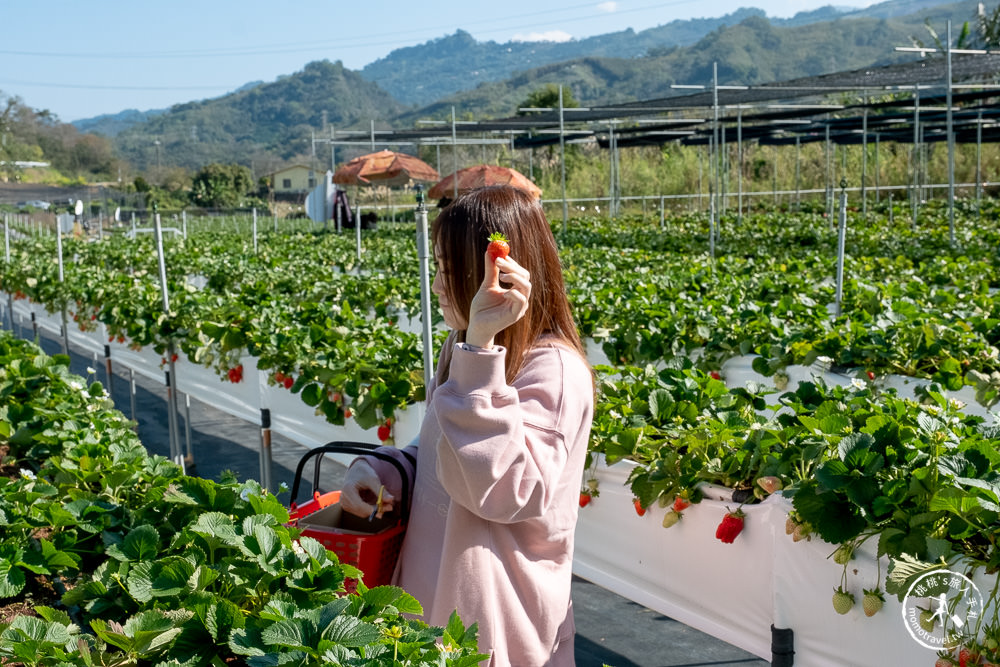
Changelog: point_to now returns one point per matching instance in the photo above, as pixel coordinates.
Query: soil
(38, 592)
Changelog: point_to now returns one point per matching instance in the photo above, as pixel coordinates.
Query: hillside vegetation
(268, 125)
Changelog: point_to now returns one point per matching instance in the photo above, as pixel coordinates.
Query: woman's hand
(360, 492)
(494, 308)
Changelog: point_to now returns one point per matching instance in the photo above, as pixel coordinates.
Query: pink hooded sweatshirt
(495, 499)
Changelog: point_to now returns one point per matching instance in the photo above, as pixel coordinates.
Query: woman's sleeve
(504, 448)
(388, 474)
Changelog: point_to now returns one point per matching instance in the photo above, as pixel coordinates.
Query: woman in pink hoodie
(497, 467)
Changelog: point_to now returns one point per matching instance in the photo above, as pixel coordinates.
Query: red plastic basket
(376, 553)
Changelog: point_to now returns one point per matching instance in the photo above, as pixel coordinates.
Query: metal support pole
(739, 151)
(187, 429)
(357, 232)
(255, 230)
(951, 147)
(716, 157)
(841, 235)
(915, 158)
(424, 257)
(171, 373)
(798, 173)
(562, 157)
(65, 319)
(711, 226)
(979, 164)
(864, 158)
(131, 383)
(265, 448)
(613, 154)
(6, 238)
(108, 370)
(829, 177)
(877, 183)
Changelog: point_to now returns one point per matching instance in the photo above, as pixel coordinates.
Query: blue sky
(80, 58)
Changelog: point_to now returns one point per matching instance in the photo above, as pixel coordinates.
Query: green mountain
(751, 52)
(258, 124)
(269, 124)
(425, 73)
(110, 125)
(443, 67)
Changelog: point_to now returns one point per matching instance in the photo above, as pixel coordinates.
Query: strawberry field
(732, 370)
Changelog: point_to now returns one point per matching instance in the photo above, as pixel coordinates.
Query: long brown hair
(460, 234)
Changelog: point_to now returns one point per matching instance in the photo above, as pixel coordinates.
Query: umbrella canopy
(480, 175)
(385, 168)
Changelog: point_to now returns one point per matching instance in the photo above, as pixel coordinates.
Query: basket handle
(361, 449)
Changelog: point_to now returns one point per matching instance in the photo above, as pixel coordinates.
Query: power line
(39, 84)
(384, 39)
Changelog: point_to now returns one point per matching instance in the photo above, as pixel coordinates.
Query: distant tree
(222, 185)
(547, 97)
(987, 28)
(963, 41)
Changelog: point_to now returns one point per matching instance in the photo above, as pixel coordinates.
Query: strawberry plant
(157, 566)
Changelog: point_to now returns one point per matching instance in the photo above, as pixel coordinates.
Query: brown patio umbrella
(480, 175)
(385, 168)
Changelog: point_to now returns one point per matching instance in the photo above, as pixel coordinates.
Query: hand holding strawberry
(495, 307)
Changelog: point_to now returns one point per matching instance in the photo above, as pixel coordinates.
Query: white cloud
(548, 36)
(608, 7)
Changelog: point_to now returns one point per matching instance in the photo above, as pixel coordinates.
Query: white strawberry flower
(27, 474)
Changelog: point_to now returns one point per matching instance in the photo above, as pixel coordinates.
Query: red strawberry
(639, 509)
(585, 499)
(173, 357)
(715, 375)
(871, 376)
(279, 377)
(730, 527)
(347, 413)
(499, 246)
(384, 432)
(966, 657)
(288, 382)
(681, 504)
